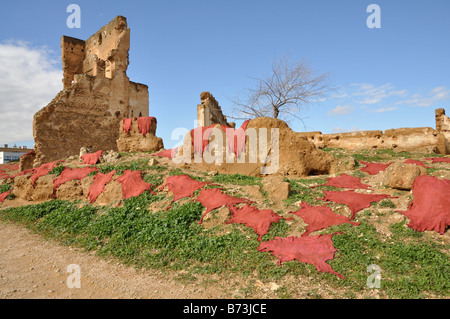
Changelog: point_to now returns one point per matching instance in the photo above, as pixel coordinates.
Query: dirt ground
(34, 268)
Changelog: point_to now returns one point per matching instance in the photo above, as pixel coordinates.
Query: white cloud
(436, 95)
(372, 94)
(341, 110)
(338, 129)
(385, 109)
(29, 80)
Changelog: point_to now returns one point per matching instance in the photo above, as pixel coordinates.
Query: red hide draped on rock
(236, 138)
(133, 185)
(214, 198)
(355, 201)
(98, 186)
(70, 174)
(144, 124)
(182, 186)
(4, 195)
(42, 170)
(320, 217)
(345, 181)
(430, 209)
(439, 160)
(374, 168)
(91, 158)
(315, 250)
(259, 220)
(200, 137)
(127, 124)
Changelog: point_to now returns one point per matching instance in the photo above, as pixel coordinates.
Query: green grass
(5, 188)
(301, 191)
(237, 179)
(57, 170)
(136, 165)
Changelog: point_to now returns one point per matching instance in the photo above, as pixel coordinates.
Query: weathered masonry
(97, 95)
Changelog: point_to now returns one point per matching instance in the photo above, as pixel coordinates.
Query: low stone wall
(418, 139)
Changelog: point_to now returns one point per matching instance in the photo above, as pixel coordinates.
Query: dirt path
(31, 267)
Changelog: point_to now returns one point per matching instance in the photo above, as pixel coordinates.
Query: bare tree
(284, 93)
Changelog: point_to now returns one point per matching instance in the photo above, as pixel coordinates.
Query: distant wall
(421, 139)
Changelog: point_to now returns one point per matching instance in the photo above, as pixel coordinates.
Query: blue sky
(390, 77)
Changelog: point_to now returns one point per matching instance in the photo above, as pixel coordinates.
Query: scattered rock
(402, 176)
(276, 187)
(84, 150)
(152, 162)
(212, 173)
(109, 157)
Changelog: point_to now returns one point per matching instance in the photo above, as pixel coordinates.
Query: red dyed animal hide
(70, 174)
(91, 158)
(98, 186)
(214, 198)
(430, 209)
(439, 160)
(166, 153)
(259, 220)
(345, 181)
(42, 170)
(411, 161)
(182, 186)
(355, 201)
(133, 185)
(144, 124)
(3, 196)
(200, 137)
(320, 217)
(236, 138)
(374, 168)
(315, 250)
(127, 124)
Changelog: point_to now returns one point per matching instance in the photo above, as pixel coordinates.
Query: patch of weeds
(401, 231)
(283, 293)
(158, 168)
(137, 165)
(185, 278)
(300, 192)
(279, 229)
(154, 179)
(176, 171)
(93, 173)
(5, 188)
(385, 203)
(57, 170)
(237, 179)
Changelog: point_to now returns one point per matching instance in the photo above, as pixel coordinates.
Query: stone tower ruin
(97, 95)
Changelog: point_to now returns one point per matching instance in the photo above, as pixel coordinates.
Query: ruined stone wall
(209, 112)
(138, 100)
(97, 95)
(419, 139)
(442, 132)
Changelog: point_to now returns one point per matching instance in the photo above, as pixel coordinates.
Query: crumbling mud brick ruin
(97, 96)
